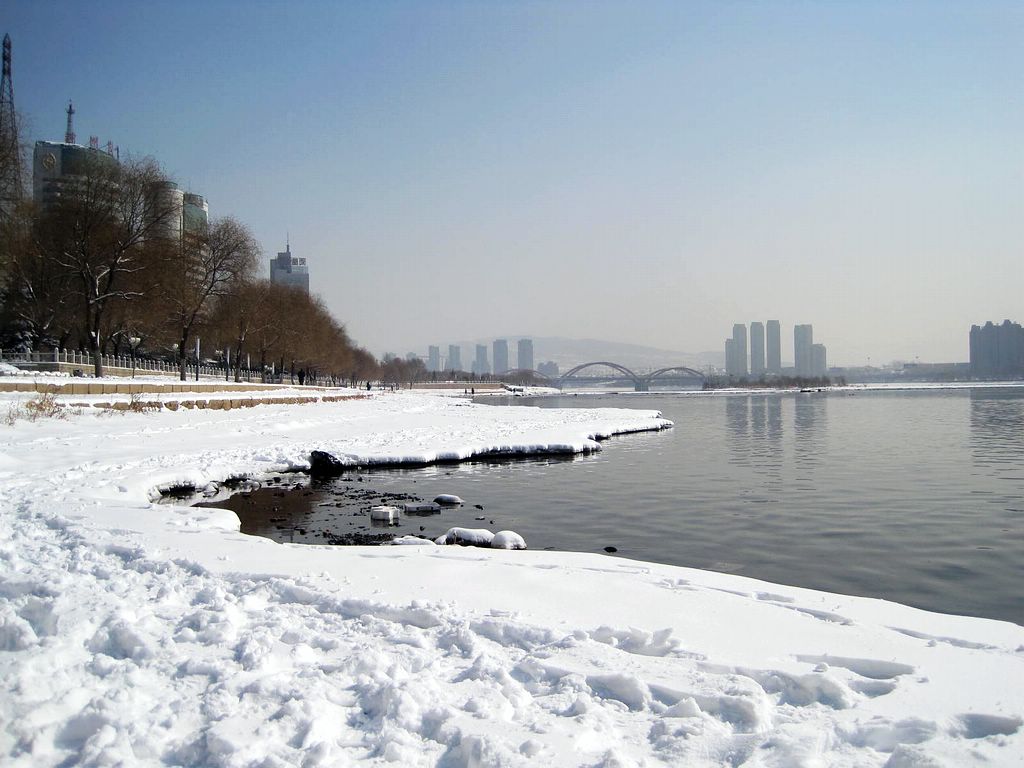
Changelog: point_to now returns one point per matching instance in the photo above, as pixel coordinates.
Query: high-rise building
(62, 169)
(290, 270)
(195, 213)
(524, 359)
(803, 340)
(480, 365)
(819, 360)
(433, 358)
(59, 168)
(500, 355)
(549, 369)
(756, 349)
(454, 357)
(997, 350)
(736, 360)
(774, 347)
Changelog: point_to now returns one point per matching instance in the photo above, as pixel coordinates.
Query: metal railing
(123, 365)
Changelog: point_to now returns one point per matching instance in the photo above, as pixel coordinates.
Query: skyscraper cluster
(481, 366)
(997, 350)
(760, 352)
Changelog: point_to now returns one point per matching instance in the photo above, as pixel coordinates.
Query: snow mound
(508, 540)
(412, 541)
(477, 537)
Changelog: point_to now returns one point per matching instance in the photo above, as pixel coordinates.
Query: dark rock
(479, 506)
(323, 464)
(611, 549)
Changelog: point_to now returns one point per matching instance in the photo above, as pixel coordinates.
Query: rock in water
(421, 508)
(324, 464)
(448, 499)
(508, 540)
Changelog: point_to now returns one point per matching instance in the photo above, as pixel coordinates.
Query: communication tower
(10, 153)
(69, 134)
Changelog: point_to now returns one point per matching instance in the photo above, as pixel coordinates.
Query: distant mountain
(571, 352)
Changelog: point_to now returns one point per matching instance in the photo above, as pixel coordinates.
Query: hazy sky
(638, 172)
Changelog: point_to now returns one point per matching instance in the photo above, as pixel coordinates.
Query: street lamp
(133, 341)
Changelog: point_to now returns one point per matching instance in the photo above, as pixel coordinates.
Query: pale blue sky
(640, 172)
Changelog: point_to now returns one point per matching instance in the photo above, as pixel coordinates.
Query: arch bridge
(641, 381)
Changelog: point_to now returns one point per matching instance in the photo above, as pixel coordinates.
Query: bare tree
(106, 227)
(200, 269)
(35, 292)
(239, 314)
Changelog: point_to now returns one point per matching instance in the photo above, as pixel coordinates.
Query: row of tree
(108, 266)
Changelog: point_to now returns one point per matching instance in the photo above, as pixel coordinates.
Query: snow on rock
(477, 537)
(413, 541)
(137, 634)
(508, 540)
(448, 499)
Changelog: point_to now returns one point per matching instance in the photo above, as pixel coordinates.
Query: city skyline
(450, 139)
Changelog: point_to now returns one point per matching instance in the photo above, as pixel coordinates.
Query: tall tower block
(803, 340)
(774, 346)
(756, 349)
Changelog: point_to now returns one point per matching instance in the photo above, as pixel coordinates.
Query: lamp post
(133, 341)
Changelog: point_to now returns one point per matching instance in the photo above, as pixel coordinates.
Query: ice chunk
(386, 514)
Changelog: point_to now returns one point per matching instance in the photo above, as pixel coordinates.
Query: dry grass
(44, 406)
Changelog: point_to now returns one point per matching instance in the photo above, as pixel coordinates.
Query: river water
(915, 496)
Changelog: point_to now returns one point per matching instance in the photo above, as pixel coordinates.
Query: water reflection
(997, 424)
(775, 420)
(809, 424)
(737, 426)
(997, 427)
(766, 436)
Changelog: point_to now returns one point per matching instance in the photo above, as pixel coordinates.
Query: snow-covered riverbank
(138, 634)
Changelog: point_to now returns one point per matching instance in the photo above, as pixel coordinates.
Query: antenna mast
(69, 135)
(10, 151)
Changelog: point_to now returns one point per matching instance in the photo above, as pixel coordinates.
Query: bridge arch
(614, 366)
(675, 369)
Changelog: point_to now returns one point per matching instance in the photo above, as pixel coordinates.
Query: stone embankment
(144, 396)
